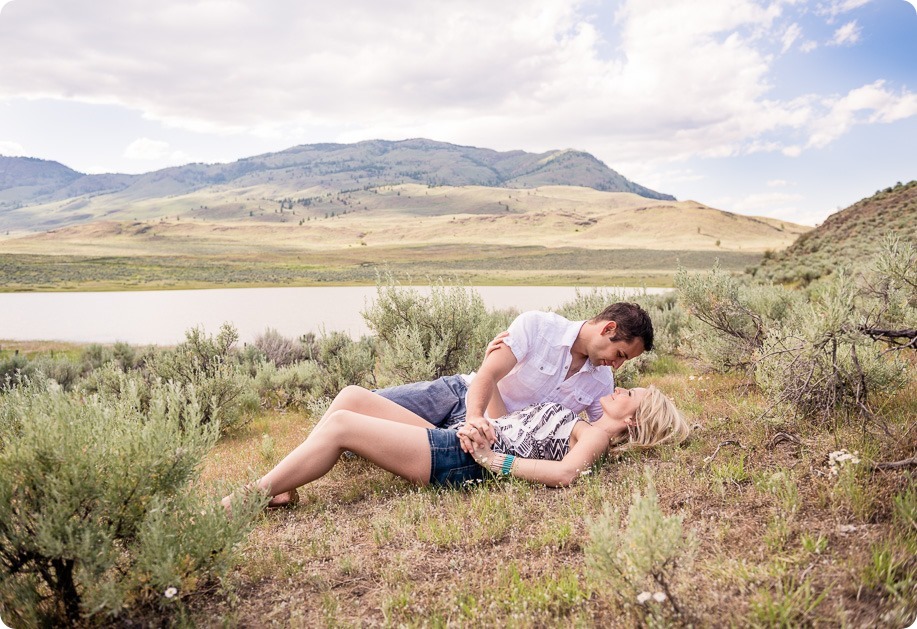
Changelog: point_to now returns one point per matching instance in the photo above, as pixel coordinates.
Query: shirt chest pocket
(584, 396)
(542, 372)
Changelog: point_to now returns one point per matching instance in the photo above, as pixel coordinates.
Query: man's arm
(496, 365)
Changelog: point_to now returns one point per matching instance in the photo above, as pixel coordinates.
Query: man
(545, 358)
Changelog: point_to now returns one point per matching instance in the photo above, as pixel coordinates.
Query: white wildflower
(643, 597)
(840, 459)
(659, 597)
(586, 472)
(170, 592)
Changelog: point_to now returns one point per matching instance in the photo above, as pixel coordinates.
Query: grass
(781, 542)
(482, 266)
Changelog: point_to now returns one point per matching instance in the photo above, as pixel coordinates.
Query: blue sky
(781, 108)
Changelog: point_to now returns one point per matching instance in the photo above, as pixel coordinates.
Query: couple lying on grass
(535, 379)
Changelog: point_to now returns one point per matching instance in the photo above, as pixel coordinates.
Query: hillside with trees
(846, 238)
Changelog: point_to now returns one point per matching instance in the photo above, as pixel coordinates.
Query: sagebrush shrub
(343, 361)
(209, 365)
(290, 386)
(647, 553)
(97, 511)
(819, 362)
(423, 337)
(13, 368)
(736, 315)
(278, 349)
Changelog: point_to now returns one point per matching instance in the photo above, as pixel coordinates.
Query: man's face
(606, 349)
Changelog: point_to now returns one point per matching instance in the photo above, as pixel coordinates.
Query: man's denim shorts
(441, 402)
(449, 464)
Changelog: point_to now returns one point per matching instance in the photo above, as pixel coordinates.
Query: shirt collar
(571, 332)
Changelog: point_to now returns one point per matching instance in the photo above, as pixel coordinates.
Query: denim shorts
(449, 464)
(441, 402)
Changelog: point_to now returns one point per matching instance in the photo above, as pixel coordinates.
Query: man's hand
(497, 343)
(476, 433)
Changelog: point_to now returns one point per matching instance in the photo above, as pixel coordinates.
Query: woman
(545, 443)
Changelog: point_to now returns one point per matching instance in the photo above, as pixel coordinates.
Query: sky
(786, 108)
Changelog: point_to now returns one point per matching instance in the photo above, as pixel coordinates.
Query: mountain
(72, 197)
(849, 237)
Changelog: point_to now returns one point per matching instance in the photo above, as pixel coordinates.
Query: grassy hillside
(847, 237)
(39, 194)
(545, 235)
(550, 216)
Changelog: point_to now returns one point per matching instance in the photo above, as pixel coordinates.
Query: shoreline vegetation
(415, 265)
(778, 511)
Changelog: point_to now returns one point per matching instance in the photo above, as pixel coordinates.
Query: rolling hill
(38, 194)
(846, 238)
(336, 213)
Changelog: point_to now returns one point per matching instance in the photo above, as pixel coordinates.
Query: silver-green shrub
(290, 386)
(423, 337)
(279, 349)
(343, 361)
(61, 369)
(820, 361)
(588, 303)
(209, 365)
(14, 367)
(736, 315)
(98, 515)
(642, 556)
(829, 348)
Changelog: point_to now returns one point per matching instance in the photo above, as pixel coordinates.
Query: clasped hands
(477, 433)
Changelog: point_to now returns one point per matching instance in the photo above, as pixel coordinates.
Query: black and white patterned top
(541, 431)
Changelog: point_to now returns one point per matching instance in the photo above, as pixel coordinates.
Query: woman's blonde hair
(656, 421)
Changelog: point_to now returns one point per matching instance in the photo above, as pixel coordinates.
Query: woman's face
(623, 403)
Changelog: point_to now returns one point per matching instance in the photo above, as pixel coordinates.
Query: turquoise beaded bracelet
(507, 464)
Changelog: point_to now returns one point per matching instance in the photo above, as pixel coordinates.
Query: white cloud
(11, 149)
(846, 35)
(790, 35)
(808, 46)
(776, 204)
(777, 183)
(145, 148)
(688, 77)
(869, 104)
(834, 8)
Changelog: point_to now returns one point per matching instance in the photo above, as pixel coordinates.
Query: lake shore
(479, 266)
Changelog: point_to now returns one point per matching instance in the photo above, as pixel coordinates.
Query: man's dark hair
(632, 320)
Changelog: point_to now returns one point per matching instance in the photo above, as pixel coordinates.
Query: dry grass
(552, 216)
(781, 540)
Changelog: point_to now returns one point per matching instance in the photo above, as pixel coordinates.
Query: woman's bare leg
(400, 448)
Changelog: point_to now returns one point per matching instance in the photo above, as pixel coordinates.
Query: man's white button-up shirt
(541, 343)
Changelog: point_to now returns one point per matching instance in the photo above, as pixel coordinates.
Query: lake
(162, 317)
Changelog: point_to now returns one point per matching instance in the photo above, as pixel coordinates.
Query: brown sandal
(285, 500)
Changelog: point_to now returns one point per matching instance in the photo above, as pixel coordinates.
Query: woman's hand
(476, 432)
(483, 456)
(496, 344)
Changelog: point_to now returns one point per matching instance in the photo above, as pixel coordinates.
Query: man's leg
(440, 402)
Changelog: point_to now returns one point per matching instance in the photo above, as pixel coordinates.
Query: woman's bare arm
(590, 444)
